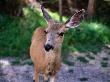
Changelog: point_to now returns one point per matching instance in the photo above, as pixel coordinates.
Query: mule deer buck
(45, 49)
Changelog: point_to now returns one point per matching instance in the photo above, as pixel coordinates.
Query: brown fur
(49, 63)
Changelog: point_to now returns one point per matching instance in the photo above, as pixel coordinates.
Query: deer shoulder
(37, 45)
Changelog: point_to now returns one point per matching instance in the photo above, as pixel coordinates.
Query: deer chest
(52, 65)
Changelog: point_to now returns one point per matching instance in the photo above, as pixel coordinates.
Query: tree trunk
(90, 8)
(60, 10)
(12, 7)
(72, 4)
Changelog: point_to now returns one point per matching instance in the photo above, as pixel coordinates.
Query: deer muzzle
(48, 47)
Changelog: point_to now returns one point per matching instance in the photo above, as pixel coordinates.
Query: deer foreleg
(46, 78)
(36, 76)
(52, 79)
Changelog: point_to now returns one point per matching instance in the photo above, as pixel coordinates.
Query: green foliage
(89, 37)
(16, 32)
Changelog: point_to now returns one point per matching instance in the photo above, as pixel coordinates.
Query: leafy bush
(90, 36)
(16, 33)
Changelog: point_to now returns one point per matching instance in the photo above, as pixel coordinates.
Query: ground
(80, 72)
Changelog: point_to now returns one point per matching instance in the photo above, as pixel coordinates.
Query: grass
(16, 33)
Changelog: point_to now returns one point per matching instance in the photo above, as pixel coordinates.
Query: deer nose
(48, 47)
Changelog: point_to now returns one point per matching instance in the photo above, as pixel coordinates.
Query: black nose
(48, 47)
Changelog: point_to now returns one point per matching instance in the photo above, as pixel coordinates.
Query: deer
(46, 43)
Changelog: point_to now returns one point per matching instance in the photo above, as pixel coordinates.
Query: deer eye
(61, 34)
(45, 31)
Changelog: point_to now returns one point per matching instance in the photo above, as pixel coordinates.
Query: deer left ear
(45, 14)
(75, 20)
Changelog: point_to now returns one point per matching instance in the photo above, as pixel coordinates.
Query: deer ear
(45, 14)
(75, 20)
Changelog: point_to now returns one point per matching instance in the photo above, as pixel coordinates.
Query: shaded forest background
(19, 18)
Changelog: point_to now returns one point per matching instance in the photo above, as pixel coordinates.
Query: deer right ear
(75, 20)
(45, 14)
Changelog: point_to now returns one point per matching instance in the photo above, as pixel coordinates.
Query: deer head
(55, 31)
